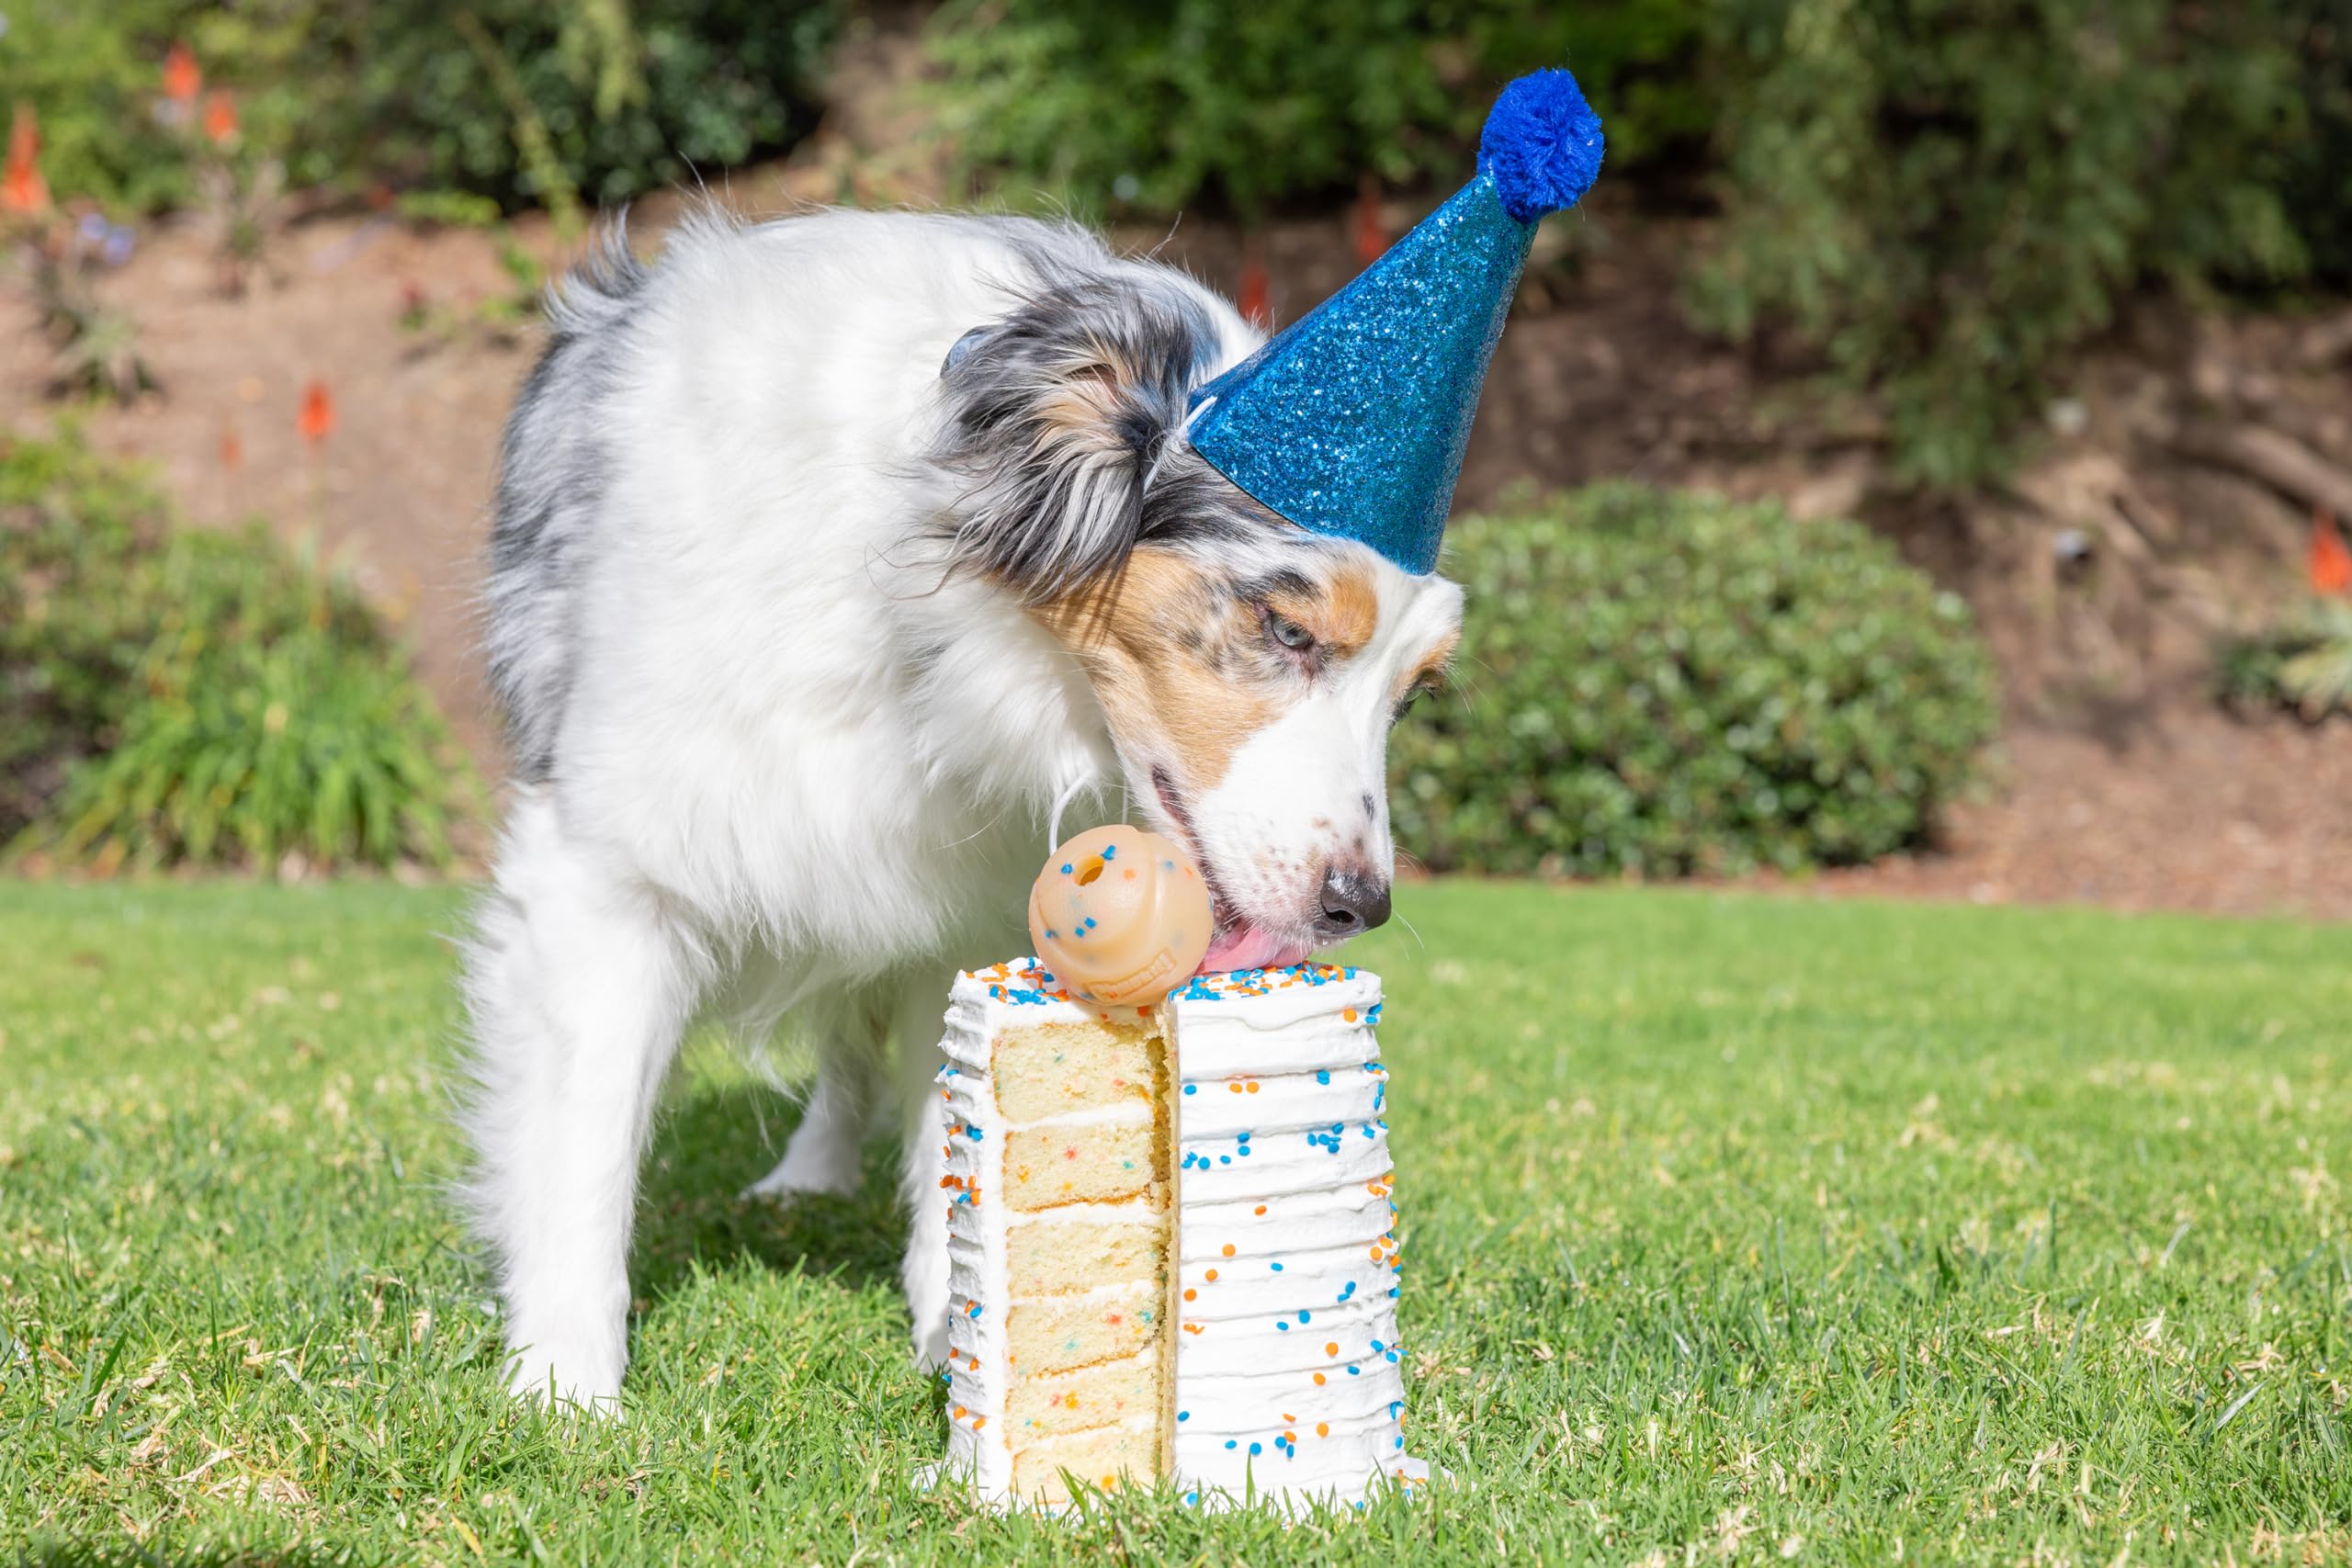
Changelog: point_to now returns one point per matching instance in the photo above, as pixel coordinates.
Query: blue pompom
(1542, 145)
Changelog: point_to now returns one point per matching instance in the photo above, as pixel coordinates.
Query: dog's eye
(1289, 633)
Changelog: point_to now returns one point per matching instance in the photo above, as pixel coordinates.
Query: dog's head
(1248, 671)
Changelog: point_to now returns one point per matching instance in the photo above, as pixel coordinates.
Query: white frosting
(1286, 1253)
(1287, 1258)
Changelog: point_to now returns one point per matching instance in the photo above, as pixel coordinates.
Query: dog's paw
(564, 1382)
(832, 1174)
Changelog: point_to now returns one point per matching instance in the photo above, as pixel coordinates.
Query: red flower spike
(2330, 564)
(1363, 223)
(316, 421)
(183, 79)
(1251, 296)
(220, 116)
(21, 188)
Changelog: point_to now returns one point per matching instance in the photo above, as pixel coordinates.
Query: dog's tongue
(1248, 947)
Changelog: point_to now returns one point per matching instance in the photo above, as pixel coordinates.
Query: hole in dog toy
(1090, 871)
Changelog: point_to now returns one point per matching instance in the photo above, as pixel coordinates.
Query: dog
(831, 558)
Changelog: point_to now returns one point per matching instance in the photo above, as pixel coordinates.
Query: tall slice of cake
(1172, 1238)
(1058, 1199)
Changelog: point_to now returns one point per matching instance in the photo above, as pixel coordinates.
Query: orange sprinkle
(1234, 1087)
(1229, 1250)
(979, 1422)
(1322, 1429)
(1350, 1015)
(1191, 1328)
(1288, 1417)
(1253, 1086)
(1319, 1380)
(1190, 1294)
(1333, 1348)
(1212, 1276)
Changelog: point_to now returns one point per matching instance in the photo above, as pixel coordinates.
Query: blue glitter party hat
(1352, 422)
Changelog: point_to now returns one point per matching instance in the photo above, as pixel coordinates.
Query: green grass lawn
(1736, 1228)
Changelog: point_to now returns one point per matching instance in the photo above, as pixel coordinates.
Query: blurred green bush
(1941, 198)
(1666, 684)
(1944, 197)
(2304, 663)
(1249, 104)
(173, 696)
(525, 102)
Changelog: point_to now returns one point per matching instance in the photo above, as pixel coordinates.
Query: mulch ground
(2140, 794)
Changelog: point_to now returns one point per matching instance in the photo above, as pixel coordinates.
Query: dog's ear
(1056, 419)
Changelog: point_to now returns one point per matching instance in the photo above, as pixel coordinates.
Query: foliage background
(1663, 684)
(173, 695)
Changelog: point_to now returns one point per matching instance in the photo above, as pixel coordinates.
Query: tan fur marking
(1163, 698)
(1342, 614)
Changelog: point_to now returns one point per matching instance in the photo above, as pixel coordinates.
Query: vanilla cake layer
(1098, 1156)
(1059, 1241)
(1107, 1457)
(1179, 1257)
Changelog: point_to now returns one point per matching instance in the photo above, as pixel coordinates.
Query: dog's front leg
(579, 988)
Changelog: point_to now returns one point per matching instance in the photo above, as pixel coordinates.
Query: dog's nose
(1350, 904)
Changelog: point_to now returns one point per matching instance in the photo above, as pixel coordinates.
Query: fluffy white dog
(830, 554)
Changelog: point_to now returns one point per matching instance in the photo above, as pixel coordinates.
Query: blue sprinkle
(1243, 1136)
(1245, 1151)
(1192, 1089)
(1231, 1443)
(1281, 1326)
(1400, 1442)
(1109, 852)
(1256, 1450)
(1183, 1416)
(1090, 922)
(1225, 1159)
(1276, 1267)
(1378, 1345)
(1321, 1076)
(973, 1133)
(1066, 870)
(1194, 1496)
(1303, 1316)
(1392, 1357)
(1355, 1371)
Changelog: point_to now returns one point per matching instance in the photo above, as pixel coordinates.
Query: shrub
(2303, 665)
(1250, 103)
(523, 102)
(1669, 683)
(181, 695)
(1945, 196)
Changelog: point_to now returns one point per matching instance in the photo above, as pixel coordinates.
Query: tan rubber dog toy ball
(1120, 917)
